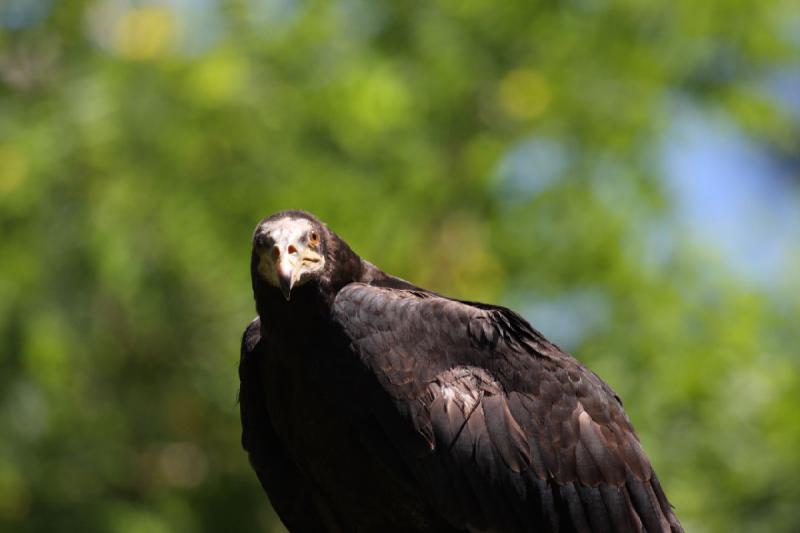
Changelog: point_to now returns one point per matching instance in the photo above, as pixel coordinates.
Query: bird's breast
(315, 399)
(309, 398)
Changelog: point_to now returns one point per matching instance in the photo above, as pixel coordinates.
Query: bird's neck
(306, 308)
(310, 304)
(348, 268)
(309, 308)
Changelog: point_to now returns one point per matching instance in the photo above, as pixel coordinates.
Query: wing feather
(520, 435)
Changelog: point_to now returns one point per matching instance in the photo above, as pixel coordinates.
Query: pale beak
(287, 268)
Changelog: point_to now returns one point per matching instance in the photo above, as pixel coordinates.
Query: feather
(646, 505)
(620, 511)
(507, 437)
(576, 512)
(375, 405)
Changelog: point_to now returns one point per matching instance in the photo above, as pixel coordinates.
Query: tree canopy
(509, 152)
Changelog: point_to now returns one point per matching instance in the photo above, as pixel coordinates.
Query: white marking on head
(288, 257)
(286, 229)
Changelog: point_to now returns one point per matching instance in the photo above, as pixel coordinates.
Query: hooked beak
(290, 261)
(286, 271)
(288, 254)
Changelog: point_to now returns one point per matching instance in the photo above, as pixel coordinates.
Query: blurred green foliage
(140, 142)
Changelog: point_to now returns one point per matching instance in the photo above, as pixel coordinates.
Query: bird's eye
(313, 238)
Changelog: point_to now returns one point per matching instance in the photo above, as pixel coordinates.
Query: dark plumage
(369, 404)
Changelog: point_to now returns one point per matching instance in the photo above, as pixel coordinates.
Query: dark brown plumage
(369, 404)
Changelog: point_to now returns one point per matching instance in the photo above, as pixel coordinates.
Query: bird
(369, 404)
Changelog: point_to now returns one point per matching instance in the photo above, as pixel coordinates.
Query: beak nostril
(276, 252)
(291, 249)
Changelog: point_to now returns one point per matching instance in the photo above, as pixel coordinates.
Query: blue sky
(732, 197)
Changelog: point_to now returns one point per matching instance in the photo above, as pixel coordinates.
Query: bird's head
(289, 250)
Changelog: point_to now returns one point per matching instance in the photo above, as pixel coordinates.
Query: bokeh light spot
(524, 94)
(144, 33)
(183, 464)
